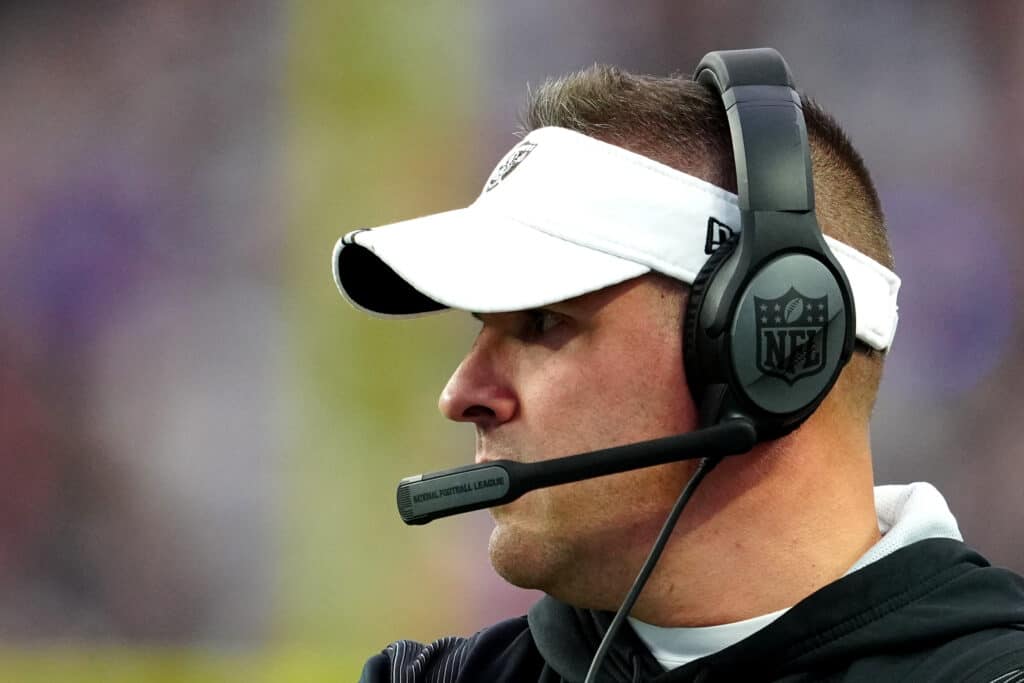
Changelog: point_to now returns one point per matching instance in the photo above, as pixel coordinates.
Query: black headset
(770, 321)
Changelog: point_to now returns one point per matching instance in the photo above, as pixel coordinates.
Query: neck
(763, 531)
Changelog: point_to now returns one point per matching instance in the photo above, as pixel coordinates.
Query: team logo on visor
(509, 163)
(791, 335)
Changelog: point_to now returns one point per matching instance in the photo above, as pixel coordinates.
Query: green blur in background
(372, 140)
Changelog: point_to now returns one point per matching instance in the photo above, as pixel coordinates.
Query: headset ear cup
(695, 375)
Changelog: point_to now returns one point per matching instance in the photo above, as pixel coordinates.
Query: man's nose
(478, 391)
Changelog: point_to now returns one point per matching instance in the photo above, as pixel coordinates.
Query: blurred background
(199, 440)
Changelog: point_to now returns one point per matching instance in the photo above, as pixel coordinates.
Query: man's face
(600, 370)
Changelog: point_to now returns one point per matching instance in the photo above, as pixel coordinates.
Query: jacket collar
(568, 637)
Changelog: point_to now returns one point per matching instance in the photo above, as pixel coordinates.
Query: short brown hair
(683, 124)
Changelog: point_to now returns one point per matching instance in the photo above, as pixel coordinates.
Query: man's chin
(510, 554)
(523, 559)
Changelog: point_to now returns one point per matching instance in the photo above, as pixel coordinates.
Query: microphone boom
(426, 497)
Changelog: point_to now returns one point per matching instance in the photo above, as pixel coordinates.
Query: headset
(770, 321)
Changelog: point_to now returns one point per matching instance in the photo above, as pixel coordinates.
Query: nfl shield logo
(791, 335)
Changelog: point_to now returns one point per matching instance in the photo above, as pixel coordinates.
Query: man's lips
(488, 451)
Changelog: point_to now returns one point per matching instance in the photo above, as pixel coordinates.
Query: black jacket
(932, 611)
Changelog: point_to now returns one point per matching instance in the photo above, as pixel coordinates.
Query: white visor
(563, 215)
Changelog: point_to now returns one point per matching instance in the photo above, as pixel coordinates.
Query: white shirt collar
(906, 514)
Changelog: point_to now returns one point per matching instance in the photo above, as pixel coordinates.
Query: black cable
(705, 466)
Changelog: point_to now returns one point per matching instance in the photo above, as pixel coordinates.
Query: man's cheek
(557, 395)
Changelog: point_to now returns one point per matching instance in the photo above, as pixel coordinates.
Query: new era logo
(718, 234)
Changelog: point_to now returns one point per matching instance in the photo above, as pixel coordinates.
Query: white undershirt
(906, 514)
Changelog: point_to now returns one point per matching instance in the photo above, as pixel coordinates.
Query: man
(787, 564)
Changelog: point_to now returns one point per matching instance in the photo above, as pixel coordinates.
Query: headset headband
(774, 369)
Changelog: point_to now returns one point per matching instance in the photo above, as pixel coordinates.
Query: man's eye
(540, 321)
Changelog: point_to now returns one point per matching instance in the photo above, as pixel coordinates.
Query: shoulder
(990, 656)
(502, 652)
(407, 660)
